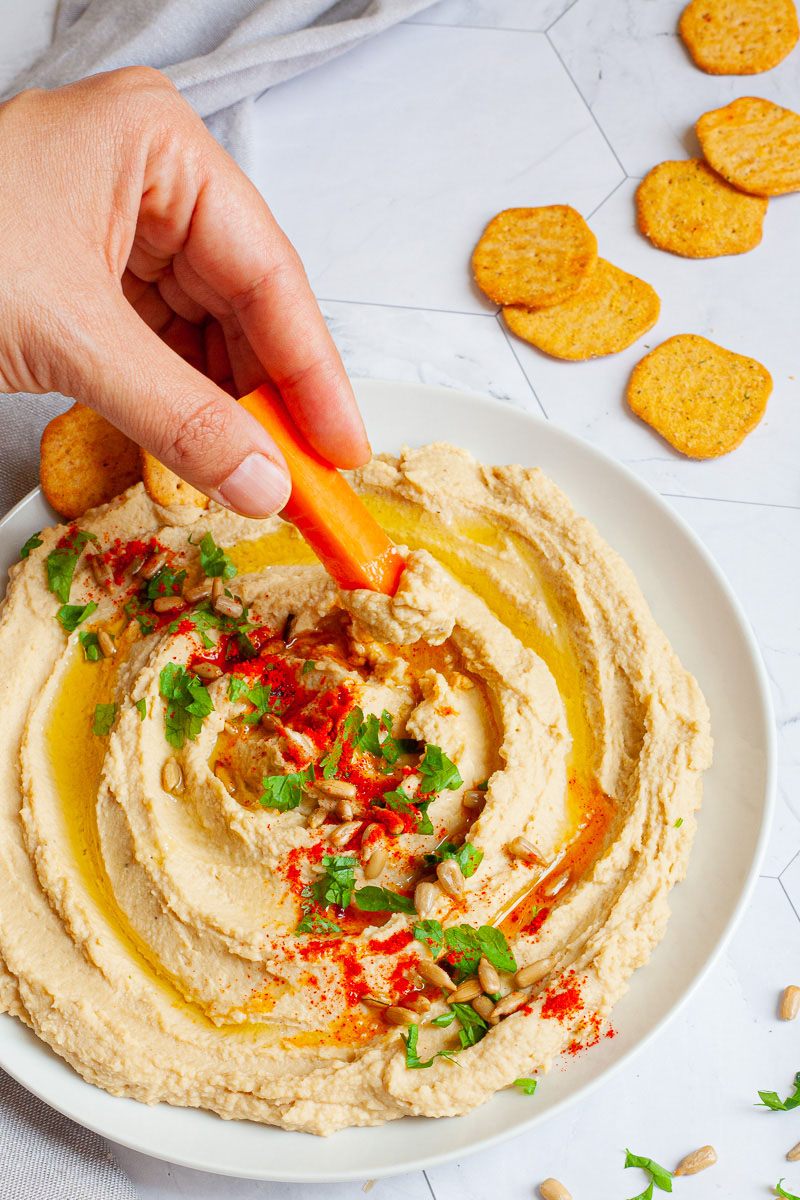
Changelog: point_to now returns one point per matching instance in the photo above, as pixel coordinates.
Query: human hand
(143, 274)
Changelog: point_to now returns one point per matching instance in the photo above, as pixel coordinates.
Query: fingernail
(257, 488)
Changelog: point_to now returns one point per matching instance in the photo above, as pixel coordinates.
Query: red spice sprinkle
(564, 1006)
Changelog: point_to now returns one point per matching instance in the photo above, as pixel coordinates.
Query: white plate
(707, 628)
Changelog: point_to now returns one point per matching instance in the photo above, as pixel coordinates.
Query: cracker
(167, 488)
(739, 37)
(703, 399)
(688, 209)
(85, 461)
(534, 256)
(754, 144)
(609, 312)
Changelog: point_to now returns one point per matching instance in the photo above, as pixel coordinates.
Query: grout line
(789, 898)
(453, 312)
(587, 106)
(589, 216)
(560, 15)
(478, 28)
(430, 1185)
(786, 868)
(513, 350)
(729, 500)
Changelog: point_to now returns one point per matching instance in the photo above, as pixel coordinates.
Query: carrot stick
(339, 529)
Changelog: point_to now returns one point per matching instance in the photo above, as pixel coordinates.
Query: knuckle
(138, 77)
(198, 435)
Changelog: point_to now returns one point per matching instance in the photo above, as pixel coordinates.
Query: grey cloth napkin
(222, 54)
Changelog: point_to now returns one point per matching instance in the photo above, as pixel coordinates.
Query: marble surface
(383, 167)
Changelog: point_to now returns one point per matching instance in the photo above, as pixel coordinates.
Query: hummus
(251, 838)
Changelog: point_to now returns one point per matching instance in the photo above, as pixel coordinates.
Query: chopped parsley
(378, 899)
(259, 695)
(473, 1026)
(213, 559)
(526, 1085)
(70, 616)
(104, 715)
(314, 922)
(781, 1191)
(166, 583)
(91, 646)
(659, 1176)
(141, 708)
(308, 665)
(483, 786)
(203, 618)
(468, 857)
(188, 704)
(678, 823)
(438, 771)
(143, 615)
(444, 1019)
(399, 802)
(413, 1061)
(463, 946)
(336, 885)
(61, 562)
(32, 543)
(772, 1100)
(375, 737)
(284, 792)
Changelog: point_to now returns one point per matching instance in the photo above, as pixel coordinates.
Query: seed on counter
(396, 1015)
(484, 1007)
(374, 865)
(431, 972)
(207, 670)
(465, 991)
(425, 898)
(197, 591)
(698, 1160)
(163, 604)
(526, 976)
(341, 834)
(154, 564)
(553, 1189)
(488, 976)
(451, 878)
(106, 644)
(790, 1003)
(522, 848)
(172, 776)
(794, 1154)
(226, 606)
(509, 1004)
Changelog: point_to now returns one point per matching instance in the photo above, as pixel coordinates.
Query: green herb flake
(91, 646)
(337, 883)
(284, 792)
(438, 771)
(213, 559)
(104, 715)
(378, 899)
(660, 1176)
(468, 857)
(70, 616)
(483, 786)
(33, 542)
(528, 1086)
(188, 704)
(166, 583)
(431, 934)
(772, 1100)
(315, 923)
(141, 708)
(781, 1191)
(60, 563)
(473, 1027)
(413, 1061)
(443, 1020)
(678, 823)
(308, 665)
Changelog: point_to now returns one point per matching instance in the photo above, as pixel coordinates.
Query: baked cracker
(165, 487)
(534, 256)
(85, 461)
(754, 144)
(739, 37)
(688, 209)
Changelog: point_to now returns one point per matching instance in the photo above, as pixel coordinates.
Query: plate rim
(484, 402)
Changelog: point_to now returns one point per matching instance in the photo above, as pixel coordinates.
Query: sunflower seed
(106, 644)
(483, 1006)
(472, 798)
(172, 776)
(336, 787)
(522, 848)
(207, 670)
(101, 571)
(197, 591)
(794, 1154)
(553, 1189)
(790, 1003)
(371, 832)
(698, 1160)
(154, 564)
(526, 976)
(509, 1004)
(375, 864)
(451, 878)
(342, 834)
(433, 973)
(163, 604)
(316, 818)
(396, 1015)
(226, 606)
(465, 992)
(488, 976)
(425, 897)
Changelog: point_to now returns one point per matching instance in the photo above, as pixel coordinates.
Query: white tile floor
(383, 167)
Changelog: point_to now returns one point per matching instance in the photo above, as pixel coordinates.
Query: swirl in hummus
(255, 830)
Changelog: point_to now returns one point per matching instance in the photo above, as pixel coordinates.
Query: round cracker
(609, 312)
(739, 37)
(754, 144)
(702, 398)
(534, 256)
(165, 487)
(85, 461)
(688, 209)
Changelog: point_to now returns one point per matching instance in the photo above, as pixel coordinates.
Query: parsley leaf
(329, 763)
(213, 559)
(483, 786)
(678, 823)
(336, 885)
(443, 1020)
(772, 1100)
(103, 719)
(495, 947)
(70, 616)
(143, 614)
(467, 856)
(473, 1027)
(259, 695)
(284, 792)
(780, 1191)
(399, 802)
(166, 583)
(431, 934)
(528, 1086)
(438, 771)
(378, 899)
(314, 922)
(61, 562)
(660, 1176)
(141, 708)
(412, 1058)
(91, 646)
(33, 541)
(647, 1194)
(188, 703)
(308, 665)
(465, 945)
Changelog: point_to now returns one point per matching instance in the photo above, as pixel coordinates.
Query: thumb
(188, 423)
